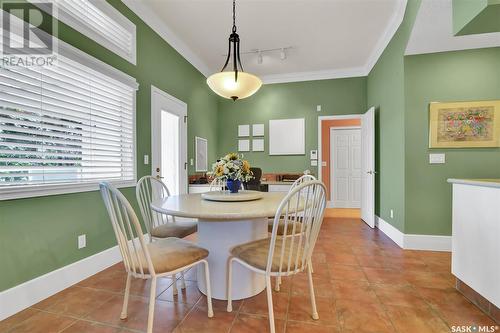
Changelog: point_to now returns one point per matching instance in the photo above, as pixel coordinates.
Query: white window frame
(84, 28)
(29, 191)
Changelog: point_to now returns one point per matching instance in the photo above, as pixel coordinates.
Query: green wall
(444, 77)
(385, 87)
(39, 235)
(288, 100)
(476, 16)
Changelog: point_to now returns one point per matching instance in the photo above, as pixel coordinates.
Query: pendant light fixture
(235, 84)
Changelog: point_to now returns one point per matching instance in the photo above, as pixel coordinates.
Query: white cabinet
(198, 188)
(476, 236)
(279, 187)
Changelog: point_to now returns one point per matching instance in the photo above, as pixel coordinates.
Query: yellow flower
(231, 157)
(246, 166)
(219, 171)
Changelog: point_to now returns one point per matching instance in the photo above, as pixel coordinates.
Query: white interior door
(169, 140)
(368, 167)
(345, 173)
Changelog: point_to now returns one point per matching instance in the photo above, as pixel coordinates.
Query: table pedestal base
(218, 238)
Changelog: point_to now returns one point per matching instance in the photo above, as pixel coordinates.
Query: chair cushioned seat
(255, 253)
(281, 227)
(172, 253)
(174, 229)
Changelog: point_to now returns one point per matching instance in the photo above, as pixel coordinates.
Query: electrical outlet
(392, 213)
(318, 108)
(146, 159)
(82, 241)
(191, 162)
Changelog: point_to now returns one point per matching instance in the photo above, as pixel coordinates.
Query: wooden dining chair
(302, 179)
(291, 252)
(144, 260)
(160, 225)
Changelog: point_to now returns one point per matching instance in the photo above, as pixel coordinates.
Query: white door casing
(345, 171)
(368, 167)
(163, 102)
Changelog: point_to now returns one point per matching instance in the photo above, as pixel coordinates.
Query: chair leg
(183, 282)
(269, 292)
(315, 315)
(174, 285)
(152, 300)
(209, 290)
(277, 283)
(125, 298)
(229, 285)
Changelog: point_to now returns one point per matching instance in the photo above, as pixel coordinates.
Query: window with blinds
(101, 22)
(65, 124)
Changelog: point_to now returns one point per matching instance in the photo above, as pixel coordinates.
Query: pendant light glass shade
(235, 84)
(224, 85)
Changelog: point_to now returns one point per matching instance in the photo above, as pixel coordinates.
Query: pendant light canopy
(235, 84)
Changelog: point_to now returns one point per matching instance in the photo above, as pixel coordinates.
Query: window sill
(30, 191)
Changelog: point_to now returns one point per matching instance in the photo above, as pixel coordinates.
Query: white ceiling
(329, 38)
(433, 31)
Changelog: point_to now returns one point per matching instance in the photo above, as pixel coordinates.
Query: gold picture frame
(464, 124)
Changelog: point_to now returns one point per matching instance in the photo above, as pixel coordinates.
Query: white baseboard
(392, 232)
(414, 242)
(31, 292)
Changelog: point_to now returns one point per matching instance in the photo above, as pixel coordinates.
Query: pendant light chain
(234, 15)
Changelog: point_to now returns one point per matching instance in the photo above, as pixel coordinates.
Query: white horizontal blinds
(64, 124)
(113, 31)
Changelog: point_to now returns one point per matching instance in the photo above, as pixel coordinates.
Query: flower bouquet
(234, 170)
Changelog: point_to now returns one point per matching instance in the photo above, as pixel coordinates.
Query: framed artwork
(258, 129)
(243, 145)
(287, 136)
(258, 145)
(464, 124)
(243, 130)
(201, 153)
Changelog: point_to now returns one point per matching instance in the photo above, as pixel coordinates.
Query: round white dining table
(221, 226)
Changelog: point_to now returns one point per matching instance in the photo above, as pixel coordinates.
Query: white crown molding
(313, 76)
(151, 19)
(33, 291)
(412, 241)
(155, 23)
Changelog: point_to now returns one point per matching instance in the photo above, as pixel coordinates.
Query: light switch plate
(146, 159)
(82, 241)
(318, 108)
(314, 162)
(437, 158)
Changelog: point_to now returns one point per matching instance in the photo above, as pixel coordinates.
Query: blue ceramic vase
(233, 185)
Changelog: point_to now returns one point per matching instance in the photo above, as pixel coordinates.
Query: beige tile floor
(363, 281)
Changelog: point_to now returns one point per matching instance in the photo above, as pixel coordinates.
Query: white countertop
(476, 182)
(193, 206)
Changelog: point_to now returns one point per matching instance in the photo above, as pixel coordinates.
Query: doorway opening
(169, 140)
(345, 167)
(346, 152)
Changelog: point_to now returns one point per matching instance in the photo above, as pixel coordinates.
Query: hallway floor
(364, 283)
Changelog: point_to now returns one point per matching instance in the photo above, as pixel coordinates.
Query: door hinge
(185, 119)
(185, 165)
